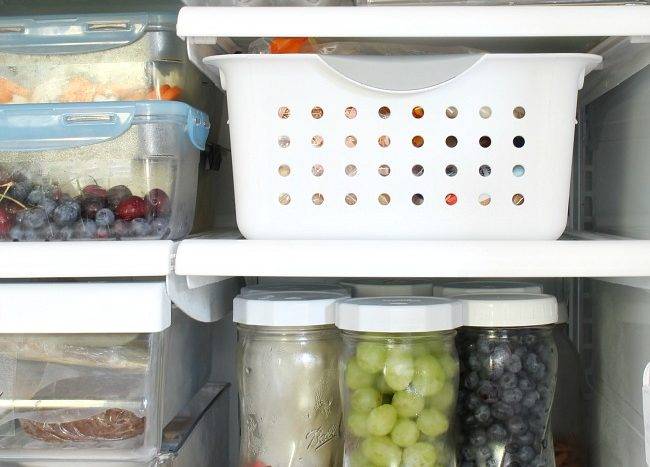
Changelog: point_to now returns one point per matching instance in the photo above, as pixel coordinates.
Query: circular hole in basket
(518, 199)
(317, 141)
(519, 112)
(485, 141)
(317, 112)
(484, 199)
(451, 170)
(350, 141)
(384, 112)
(417, 170)
(417, 199)
(317, 170)
(284, 113)
(284, 199)
(485, 170)
(384, 141)
(317, 199)
(418, 141)
(351, 199)
(451, 112)
(518, 170)
(384, 199)
(451, 141)
(519, 141)
(451, 199)
(350, 112)
(284, 141)
(284, 170)
(384, 170)
(485, 112)
(417, 112)
(350, 170)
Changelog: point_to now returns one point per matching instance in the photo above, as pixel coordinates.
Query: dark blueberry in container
(19, 191)
(66, 213)
(497, 432)
(85, 229)
(90, 206)
(508, 381)
(477, 437)
(121, 229)
(140, 227)
(502, 411)
(104, 217)
(514, 364)
(34, 218)
(16, 233)
(48, 204)
(471, 380)
(512, 396)
(488, 392)
(516, 425)
(482, 414)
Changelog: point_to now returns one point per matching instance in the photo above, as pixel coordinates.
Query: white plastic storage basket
(403, 147)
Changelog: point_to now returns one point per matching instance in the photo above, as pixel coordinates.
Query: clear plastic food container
(451, 289)
(287, 287)
(287, 361)
(389, 287)
(91, 58)
(99, 170)
(508, 374)
(399, 380)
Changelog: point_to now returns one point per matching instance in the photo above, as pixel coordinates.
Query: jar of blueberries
(399, 379)
(508, 365)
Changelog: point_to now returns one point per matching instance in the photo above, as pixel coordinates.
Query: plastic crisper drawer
(86, 58)
(105, 170)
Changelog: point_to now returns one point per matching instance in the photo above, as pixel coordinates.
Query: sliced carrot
(287, 45)
(5, 96)
(171, 94)
(13, 88)
(164, 88)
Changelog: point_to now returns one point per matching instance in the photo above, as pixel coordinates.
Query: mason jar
(287, 354)
(399, 379)
(507, 379)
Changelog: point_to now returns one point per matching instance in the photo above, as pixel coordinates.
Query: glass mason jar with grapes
(507, 381)
(399, 377)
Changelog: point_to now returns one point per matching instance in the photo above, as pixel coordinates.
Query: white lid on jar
(389, 287)
(285, 309)
(451, 289)
(397, 314)
(508, 310)
(288, 287)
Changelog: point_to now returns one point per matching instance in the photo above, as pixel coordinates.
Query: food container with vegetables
(507, 382)
(91, 58)
(388, 287)
(399, 379)
(98, 171)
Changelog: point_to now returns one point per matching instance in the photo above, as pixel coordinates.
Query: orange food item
(287, 45)
(5, 96)
(79, 89)
(171, 94)
(8, 89)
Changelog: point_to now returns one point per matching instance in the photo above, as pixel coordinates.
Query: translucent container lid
(285, 309)
(508, 310)
(452, 289)
(272, 288)
(389, 287)
(397, 314)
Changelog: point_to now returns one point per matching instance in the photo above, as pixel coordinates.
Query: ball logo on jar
(319, 437)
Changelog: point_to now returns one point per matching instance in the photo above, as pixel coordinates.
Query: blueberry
(497, 432)
(545, 352)
(90, 205)
(140, 227)
(16, 233)
(516, 425)
(477, 437)
(488, 392)
(20, 191)
(502, 411)
(483, 453)
(526, 454)
(104, 217)
(35, 196)
(122, 229)
(34, 218)
(469, 420)
(525, 384)
(520, 352)
(66, 213)
(508, 381)
(160, 227)
(483, 345)
(66, 233)
(530, 399)
(30, 235)
(531, 363)
(467, 453)
(514, 364)
(529, 339)
(473, 401)
(48, 204)
(525, 439)
(540, 373)
(545, 393)
(471, 380)
(85, 229)
(512, 396)
(482, 414)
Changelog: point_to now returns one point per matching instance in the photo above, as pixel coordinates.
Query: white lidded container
(94, 370)
(451, 289)
(388, 287)
(287, 363)
(293, 287)
(355, 159)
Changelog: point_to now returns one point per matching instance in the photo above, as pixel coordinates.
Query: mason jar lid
(289, 287)
(285, 309)
(508, 310)
(389, 287)
(452, 289)
(397, 314)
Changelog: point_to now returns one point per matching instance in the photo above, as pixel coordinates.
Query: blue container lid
(38, 127)
(73, 34)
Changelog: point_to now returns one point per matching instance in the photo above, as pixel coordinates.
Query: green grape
(444, 399)
(355, 377)
(419, 455)
(381, 451)
(432, 422)
(399, 369)
(449, 364)
(371, 356)
(365, 399)
(408, 404)
(357, 423)
(382, 386)
(419, 349)
(357, 459)
(381, 420)
(405, 433)
(429, 375)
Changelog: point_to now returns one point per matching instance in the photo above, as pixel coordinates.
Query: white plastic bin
(403, 147)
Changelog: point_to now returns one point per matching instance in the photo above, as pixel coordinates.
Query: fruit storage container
(405, 147)
(399, 379)
(80, 385)
(86, 58)
(99, 170)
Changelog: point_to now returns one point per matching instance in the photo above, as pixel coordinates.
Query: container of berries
(507, 379)
(399, 379)
(99, 171)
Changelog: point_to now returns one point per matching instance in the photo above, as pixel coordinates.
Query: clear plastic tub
(508, 375)
(388, 287)
(452, 289)
(399, 379)
(288, 287)
(99, 170)
(90, 58)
